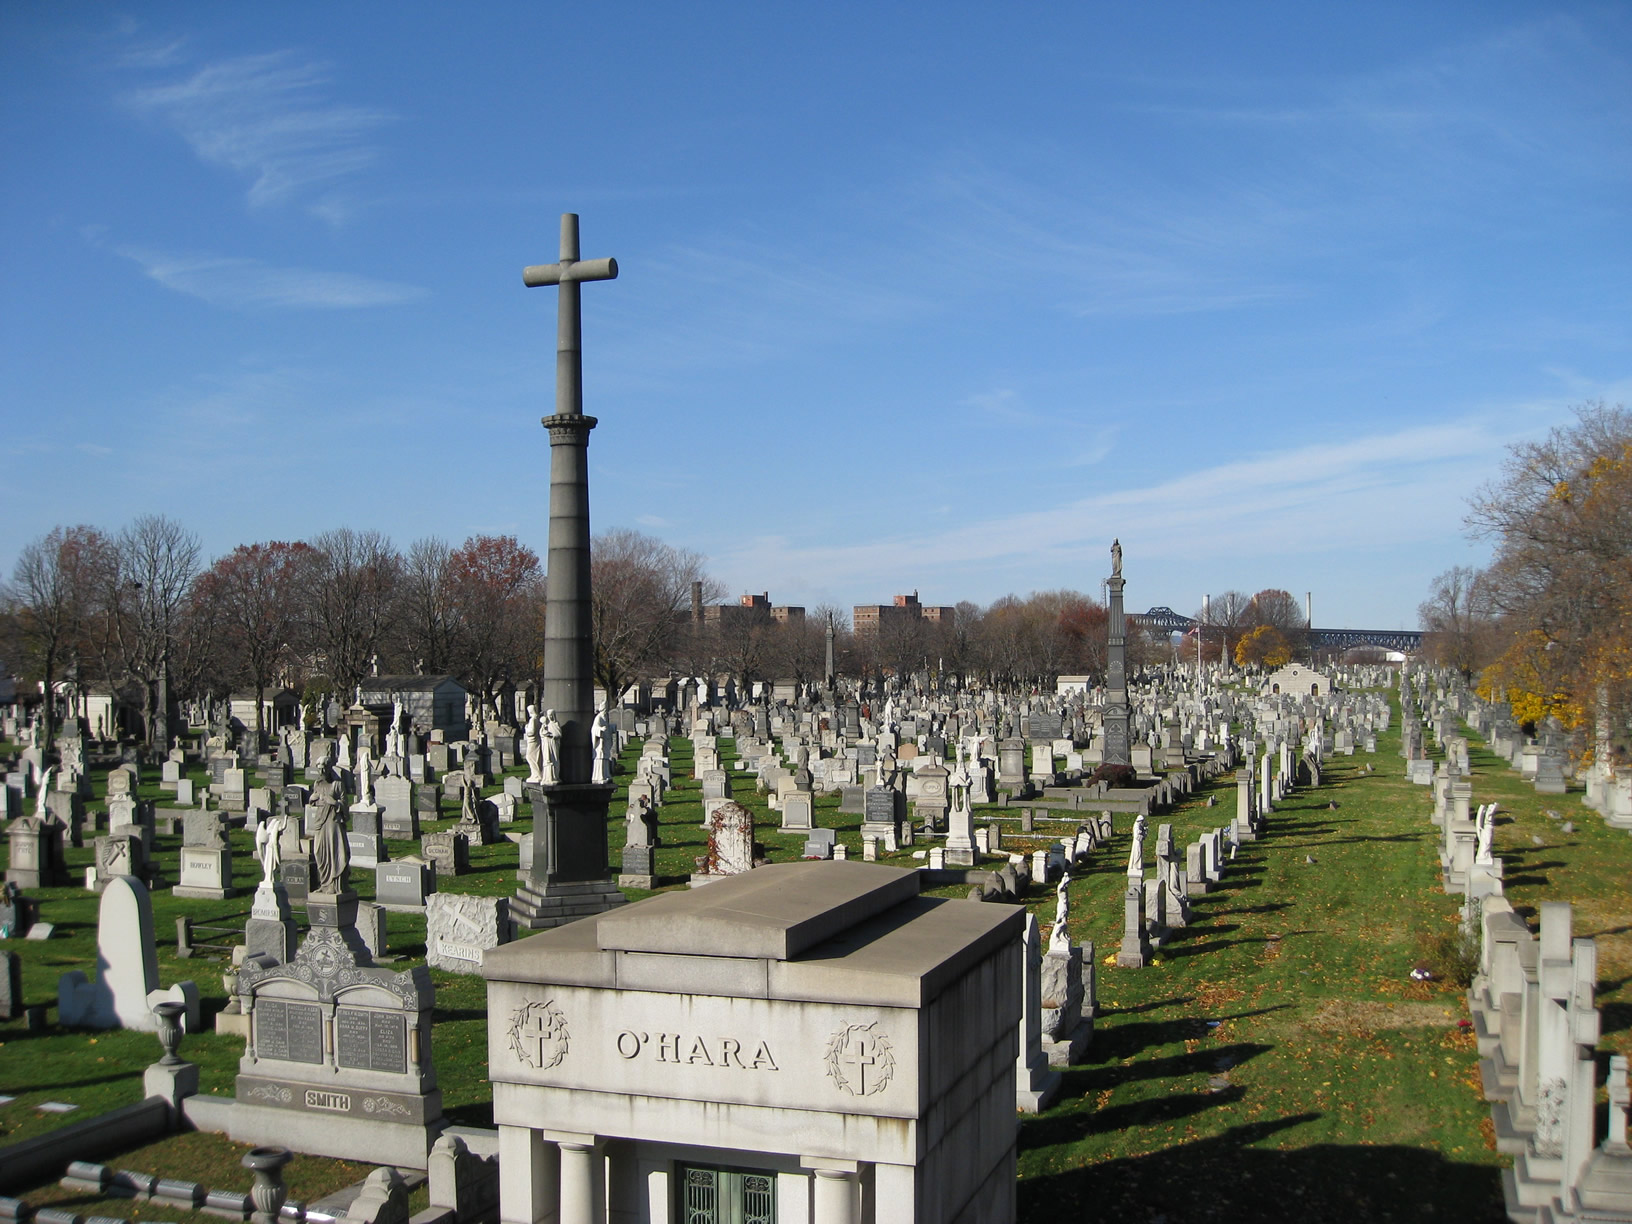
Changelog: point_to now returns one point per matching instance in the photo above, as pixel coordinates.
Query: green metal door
(726, 1196)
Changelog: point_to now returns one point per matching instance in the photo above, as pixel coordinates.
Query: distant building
(749, 610)
(868, 619)
(1296, 678)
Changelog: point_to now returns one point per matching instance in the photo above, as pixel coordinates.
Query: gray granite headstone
(404, 883)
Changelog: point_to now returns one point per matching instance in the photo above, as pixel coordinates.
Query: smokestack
(696, 602)
(1206, 609)
(1309, 608)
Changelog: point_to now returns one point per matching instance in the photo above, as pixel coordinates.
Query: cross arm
(570, 270)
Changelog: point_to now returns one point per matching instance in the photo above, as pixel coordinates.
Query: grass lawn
(1277, 1062)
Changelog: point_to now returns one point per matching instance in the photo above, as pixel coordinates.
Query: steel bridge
(1407, 641)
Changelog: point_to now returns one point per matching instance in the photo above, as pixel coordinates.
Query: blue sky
(934, 297)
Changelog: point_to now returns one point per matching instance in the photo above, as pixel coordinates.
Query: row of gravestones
(1537, 1028)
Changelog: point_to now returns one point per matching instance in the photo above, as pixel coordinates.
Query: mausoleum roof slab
(775, 912)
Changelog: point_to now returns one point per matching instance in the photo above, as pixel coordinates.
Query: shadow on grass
(1172, 1107)
(55, 1086)
(1229, 1177)
(1154, 1005)
(1113, 1043)
(1615, 1017)
(1268, 907)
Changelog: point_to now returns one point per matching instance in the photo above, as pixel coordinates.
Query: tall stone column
(569, 876)
(1116, 670)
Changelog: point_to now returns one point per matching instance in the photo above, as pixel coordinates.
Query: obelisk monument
(568, 876)
(1116, 670)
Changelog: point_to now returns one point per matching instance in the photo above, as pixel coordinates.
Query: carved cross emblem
(538, 1034)
(860, 1059)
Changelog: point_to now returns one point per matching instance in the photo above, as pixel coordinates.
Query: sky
(935, 298)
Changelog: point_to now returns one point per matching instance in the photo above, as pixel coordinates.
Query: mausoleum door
(726, 1196)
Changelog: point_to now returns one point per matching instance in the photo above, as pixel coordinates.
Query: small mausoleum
(280, 708)
(1297, 680)
(432, 703)
(804, 1043)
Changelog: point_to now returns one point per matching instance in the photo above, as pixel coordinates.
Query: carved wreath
(549, 1030)
(870, 1078)
(384, 1105)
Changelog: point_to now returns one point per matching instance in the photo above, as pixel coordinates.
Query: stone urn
(170, 1031)
(268, 1192)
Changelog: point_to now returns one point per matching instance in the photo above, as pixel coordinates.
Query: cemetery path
(1277, 1061)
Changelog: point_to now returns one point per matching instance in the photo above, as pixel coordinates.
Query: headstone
(819, 845)
(340, 1060)
(730, 843)
(206, 872)
(798, 812)
(449, 852)
(11, 986)
(458, 929)
(399, 819)
(295, 872)
(270, 929)
(127, 986)
(404, 883)
(885, 811)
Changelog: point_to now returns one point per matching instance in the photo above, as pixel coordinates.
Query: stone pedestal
(172, 1082)
(639, 867)
(568, 877)
(206, 872)
(886, 808)
(271, 926)
(1135, 950)
(1067, 1007)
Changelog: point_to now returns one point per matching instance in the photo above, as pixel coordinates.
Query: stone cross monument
(568, 876)
(1116, 669)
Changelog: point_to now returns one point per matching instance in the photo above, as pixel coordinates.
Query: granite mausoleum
(807, 1041)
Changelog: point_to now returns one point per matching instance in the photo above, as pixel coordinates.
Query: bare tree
(157, 562)
(1457, 622)
(425, 625)
(640, 594)
(352, 601)
(52, 596)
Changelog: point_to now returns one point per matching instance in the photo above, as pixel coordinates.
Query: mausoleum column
(836, 1197)
(529, 1184)
(581, 1181)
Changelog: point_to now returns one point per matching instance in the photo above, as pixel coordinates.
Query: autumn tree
(255, 593)
(1083, 628)
(1263, 645)
(51, 598)
(495, 596)
(1560, 515)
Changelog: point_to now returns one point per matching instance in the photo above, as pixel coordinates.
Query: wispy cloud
(250, 284)
(269, 119)
(1308, 499)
